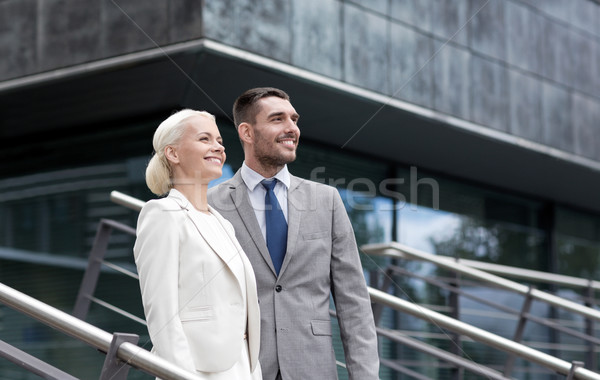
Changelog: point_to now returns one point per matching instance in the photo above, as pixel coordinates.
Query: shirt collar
(252, 178)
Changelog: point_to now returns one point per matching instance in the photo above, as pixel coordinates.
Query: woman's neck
(196, 194)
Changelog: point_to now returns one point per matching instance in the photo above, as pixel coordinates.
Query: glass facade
(48, 221)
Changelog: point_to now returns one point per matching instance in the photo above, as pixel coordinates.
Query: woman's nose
(218, 147)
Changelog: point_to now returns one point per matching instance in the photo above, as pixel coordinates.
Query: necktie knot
(269, 184)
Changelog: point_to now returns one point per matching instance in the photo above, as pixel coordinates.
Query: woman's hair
(159, 173)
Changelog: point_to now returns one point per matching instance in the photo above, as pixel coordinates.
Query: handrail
(493, 340)
(126, 200)
(477, 334)
(397, 250)
(529, 274)
(127, 352)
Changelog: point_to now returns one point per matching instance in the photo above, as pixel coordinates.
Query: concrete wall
(525, 67)
(529, 68)
(41, 35)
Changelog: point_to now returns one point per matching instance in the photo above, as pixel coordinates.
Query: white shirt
(257, 193)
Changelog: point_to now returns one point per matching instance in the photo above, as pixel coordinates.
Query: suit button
(278, 288)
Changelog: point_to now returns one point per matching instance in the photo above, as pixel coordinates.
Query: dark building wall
(527, 68)
(38, 36)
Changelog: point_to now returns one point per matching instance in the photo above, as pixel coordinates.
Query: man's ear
(246, 133)
(171, 154)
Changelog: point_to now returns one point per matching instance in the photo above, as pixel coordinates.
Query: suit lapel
(239, 197)
(297, 203)
(217, 245)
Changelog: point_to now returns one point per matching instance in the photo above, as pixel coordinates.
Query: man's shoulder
(221, 185)
(319, 187)
(221, 188)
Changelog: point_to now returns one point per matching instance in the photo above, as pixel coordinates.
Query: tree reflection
(494, 242)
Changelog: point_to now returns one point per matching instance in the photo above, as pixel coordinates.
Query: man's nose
(292, 126)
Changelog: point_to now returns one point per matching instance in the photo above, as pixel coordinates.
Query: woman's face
(199, 156)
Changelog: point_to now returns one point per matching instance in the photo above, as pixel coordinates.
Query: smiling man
(300, 242)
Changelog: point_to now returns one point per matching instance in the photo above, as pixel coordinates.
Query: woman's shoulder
(162, 209)
(161, 203)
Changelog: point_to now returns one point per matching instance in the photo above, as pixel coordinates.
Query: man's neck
(263, 170)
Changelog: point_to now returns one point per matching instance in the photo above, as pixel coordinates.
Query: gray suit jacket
(321, 259)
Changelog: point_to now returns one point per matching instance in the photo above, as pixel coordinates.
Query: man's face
(276, 132)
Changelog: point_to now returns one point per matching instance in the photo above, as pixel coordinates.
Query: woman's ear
(246, 133)
(171, 154)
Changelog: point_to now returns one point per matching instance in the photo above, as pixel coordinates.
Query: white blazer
(191, 284)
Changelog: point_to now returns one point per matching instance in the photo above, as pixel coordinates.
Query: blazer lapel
(253, 325)
(217, 245)
(297, 203)
(239, 197)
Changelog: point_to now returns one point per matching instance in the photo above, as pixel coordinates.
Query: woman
(198, 288)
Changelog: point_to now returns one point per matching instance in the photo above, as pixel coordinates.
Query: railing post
(377, 307)
(574, 366)
(115, 369)
(31, 363)
(455, 348)
(589, 327)
(92, 272)
(518, 337)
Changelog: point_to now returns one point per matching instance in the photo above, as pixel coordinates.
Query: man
(300, 242)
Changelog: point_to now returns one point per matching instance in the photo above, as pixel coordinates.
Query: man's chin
(279, 160)
(290, 158)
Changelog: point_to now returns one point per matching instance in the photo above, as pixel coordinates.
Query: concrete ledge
(209, 75)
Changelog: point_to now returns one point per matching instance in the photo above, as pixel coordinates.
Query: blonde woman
(198, 288)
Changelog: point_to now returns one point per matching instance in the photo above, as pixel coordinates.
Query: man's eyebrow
(280, 113)
(277, 113)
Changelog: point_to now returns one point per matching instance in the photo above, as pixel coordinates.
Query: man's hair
(246, 108)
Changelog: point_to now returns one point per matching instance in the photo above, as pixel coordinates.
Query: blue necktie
(276, 225)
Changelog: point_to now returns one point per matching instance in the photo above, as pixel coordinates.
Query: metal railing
(121, 349)
(528, 274)
(398, 250)
(572, 370)
(85, 296)
(461, 270)
(555, 364)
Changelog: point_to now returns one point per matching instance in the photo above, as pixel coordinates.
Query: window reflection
(578, 243)
(475, 224)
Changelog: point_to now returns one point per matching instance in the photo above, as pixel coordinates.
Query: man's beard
(267, 159)
(274, 161)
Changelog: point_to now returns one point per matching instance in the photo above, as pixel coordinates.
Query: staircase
(417, 341)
